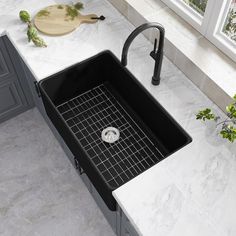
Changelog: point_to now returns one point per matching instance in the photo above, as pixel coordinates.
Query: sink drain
(110, 135)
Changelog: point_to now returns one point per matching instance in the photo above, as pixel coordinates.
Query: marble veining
(190, 193)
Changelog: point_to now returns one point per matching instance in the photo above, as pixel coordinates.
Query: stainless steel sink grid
(88, 115)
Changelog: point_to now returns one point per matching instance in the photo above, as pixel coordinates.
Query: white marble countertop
(190, 193)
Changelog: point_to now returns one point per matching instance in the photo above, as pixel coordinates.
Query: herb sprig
(228, 126)
(32, 32)
(72, 10)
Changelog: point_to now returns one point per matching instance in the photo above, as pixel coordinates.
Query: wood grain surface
(53, 20)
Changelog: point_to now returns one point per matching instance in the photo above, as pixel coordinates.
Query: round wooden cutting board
(53, 20)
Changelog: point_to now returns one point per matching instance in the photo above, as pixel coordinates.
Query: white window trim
(210, 25)
(214, 32)
(191, 16)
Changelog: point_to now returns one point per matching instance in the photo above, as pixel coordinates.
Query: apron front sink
(113, 126)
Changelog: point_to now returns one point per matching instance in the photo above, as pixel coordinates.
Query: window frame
(215, 34)
(210, 25)
(187, 13)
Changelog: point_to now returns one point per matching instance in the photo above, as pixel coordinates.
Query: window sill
(211, 70)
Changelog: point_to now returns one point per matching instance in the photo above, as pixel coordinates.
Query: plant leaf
(229, 132)
(205, 114)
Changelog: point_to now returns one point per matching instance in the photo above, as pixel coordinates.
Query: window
(198, 5)
(229, 28)
(215, 19)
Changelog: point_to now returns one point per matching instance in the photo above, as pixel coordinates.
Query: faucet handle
(155, 45)
(153, 53)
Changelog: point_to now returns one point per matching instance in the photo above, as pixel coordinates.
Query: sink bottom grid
(88, 114)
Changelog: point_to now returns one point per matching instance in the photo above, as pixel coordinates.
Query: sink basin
(85, 99)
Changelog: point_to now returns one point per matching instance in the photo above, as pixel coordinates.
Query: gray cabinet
(15, 96)
(111, 216)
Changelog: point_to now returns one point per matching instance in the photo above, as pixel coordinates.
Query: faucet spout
(156, 55)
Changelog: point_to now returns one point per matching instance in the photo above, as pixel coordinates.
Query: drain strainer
(110, 135)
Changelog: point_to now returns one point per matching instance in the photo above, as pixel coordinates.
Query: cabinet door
(10, 100)
(6, 66)
(12, 97)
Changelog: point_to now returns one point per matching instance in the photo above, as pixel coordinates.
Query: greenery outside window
(197, 5)
(230, 23)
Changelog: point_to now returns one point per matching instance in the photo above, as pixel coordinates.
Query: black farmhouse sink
(97, 93)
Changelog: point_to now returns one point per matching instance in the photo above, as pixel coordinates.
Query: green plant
(79, 6)
(198, 5)
(230, 27)
(24, 16)
(228, 129)
(32, 32)
(72, 10)
(39, 42)
(205, 114)
(43, 13)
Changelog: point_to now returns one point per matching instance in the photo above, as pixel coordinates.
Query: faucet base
(155, 81)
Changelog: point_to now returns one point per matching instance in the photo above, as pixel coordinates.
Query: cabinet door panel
(6, 68)
(15, 96)
(10, 100)
(4, 71)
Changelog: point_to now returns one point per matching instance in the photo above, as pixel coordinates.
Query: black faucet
(156, 54)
